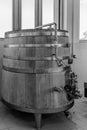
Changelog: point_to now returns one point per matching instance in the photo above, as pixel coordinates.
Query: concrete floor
(11, 120)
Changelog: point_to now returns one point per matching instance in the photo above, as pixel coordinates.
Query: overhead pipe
(16, 14)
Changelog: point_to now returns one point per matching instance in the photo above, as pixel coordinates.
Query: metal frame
(60, 14)
(35, 32)
(38, 13)
(16, 4)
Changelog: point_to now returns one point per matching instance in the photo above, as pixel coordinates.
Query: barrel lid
(36, 32)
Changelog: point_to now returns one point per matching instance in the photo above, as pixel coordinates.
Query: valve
(70, 61)
(74, 56)
(71, 87)
(58, 60)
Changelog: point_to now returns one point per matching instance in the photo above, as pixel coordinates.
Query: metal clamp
(50, 25)
(59, 61)
(56, 89)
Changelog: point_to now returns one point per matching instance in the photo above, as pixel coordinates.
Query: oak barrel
(32, 81)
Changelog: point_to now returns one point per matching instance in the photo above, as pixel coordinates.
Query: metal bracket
(50, 27)
(56, 89)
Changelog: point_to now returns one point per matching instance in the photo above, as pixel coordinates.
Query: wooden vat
(32, 81)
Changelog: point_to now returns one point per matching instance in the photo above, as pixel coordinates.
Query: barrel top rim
(35, 32)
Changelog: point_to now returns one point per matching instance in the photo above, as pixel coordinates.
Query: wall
(82, 63)
(80, 49)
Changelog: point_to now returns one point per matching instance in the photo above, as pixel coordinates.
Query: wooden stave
(40, 53)
(27, 41)
(41, 111)
(36, 32)
(19, 56)
(22, 96)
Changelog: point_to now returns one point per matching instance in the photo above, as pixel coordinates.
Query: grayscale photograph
(43, 69)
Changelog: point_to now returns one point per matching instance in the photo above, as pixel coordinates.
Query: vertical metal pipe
(38, 13)
(60, 13)
(72, 27)
(16, 14)
(56, 12)
(64, 14)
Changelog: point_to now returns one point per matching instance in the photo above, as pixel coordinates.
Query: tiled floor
(11, 120)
